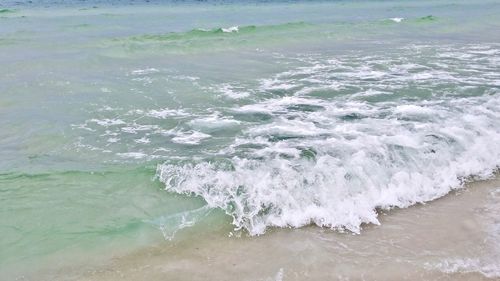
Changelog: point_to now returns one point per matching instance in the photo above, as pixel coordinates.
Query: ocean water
(126, 122)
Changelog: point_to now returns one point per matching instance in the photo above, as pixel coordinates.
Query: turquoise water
(122, 124)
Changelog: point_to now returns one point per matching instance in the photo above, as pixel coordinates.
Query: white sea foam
(108, 122)
(143, 140)
(184, 77)
(397, 19)
(333, 161)
(288, 128)
(135, 128)
(276, 84)
(144, 71)
(413, 110)
(134, 155)
(213, 123)
(189, 137)
(232, 92)
(230, 29)
(166, 113)
(113, 140)
(337, 177)
(277, 105)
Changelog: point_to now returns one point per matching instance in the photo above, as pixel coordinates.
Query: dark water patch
(308, 153)
(250, 146)
(7, 11)
(144, 170)
(83, 25)
(111, 230)
(352, 117)
(252, 116)
(87, 9)
(426, 19)
(306, 107)
(283, 137)
(111, 15)
(6, 42)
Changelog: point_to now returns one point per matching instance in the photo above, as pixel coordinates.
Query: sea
(124, 124)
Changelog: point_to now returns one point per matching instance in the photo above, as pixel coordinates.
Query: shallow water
(454, 238)
(251, 115)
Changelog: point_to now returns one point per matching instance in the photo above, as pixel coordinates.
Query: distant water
(256, 114)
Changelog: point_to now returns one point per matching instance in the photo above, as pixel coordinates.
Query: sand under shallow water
(452, 238)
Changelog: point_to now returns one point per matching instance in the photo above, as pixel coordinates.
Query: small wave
(230, 29)
(108, 122)
(166, 113)
(133, 155)
(396, 19)
(215, 32)
(426, 19)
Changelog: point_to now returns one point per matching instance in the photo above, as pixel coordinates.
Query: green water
(94, 97)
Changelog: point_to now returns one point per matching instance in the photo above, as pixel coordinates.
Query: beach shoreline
(445, 239)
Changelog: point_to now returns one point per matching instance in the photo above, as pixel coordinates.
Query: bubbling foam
(333, 160)
(337, 177)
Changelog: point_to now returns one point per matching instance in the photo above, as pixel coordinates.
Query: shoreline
(446, 239)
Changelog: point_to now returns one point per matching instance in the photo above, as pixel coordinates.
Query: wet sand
(452, 238)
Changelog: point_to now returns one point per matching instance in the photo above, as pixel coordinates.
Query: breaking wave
(345, 136)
